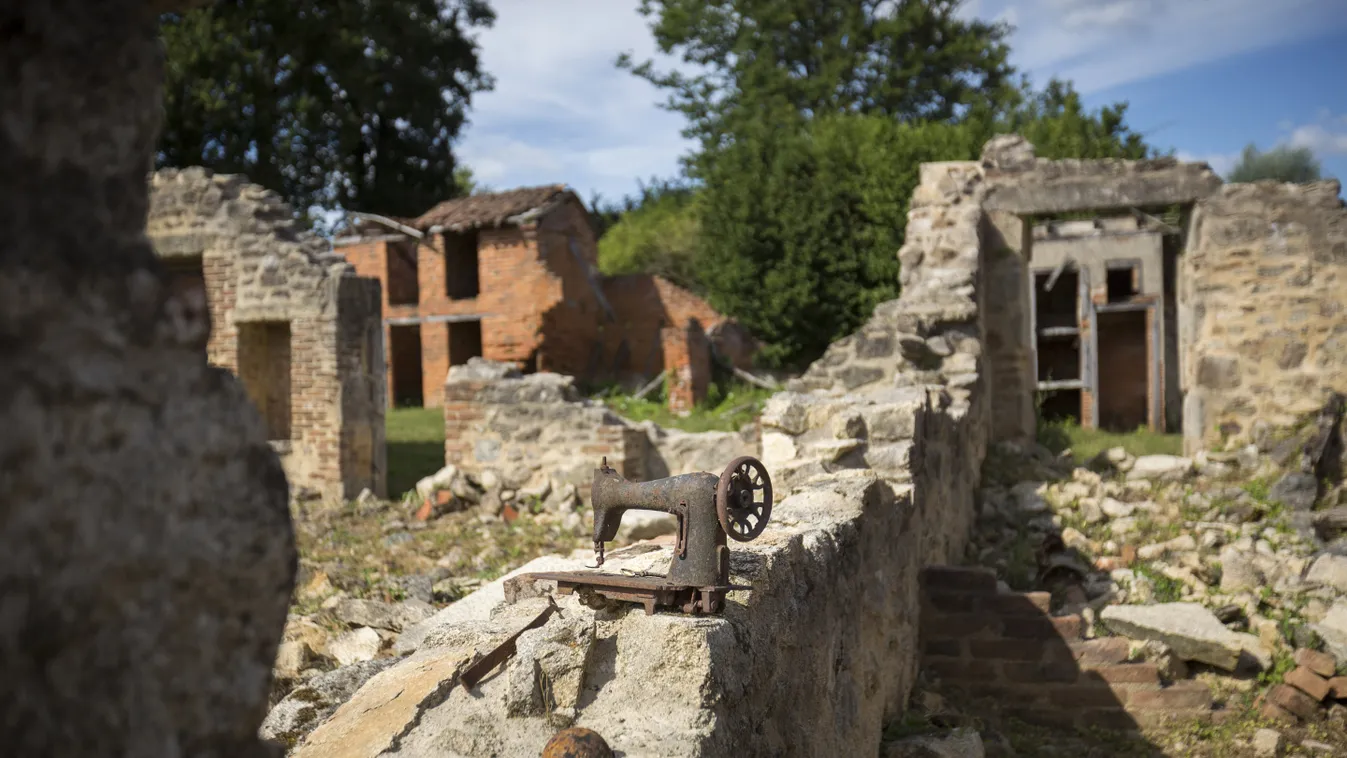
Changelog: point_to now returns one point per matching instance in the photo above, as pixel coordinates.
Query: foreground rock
(961, 743)
(1188, 629)
(146, 551)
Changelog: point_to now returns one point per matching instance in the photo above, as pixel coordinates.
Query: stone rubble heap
(1226, 563)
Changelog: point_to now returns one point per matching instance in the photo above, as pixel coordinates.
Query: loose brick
(1105, 650)
(1338, 687)
(953, 602)
(1124, 673)
(1084, 696)
(1040, 672)
(1323, 664)
(1030, 628)
(1020, 604)
(1188, 695)
(1007, 650)
(1069, 627)
(1309, 683)
(959, 579)
(958, 625)
(1293, 701)
(1274, 712)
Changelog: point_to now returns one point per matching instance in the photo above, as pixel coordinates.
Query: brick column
(461, 412)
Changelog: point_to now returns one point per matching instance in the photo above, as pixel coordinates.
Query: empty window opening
(1124, 371)
(404, 362)
(1059, 359)
(465, 341)
(1123, 282)
(460, 265)
(403, 288)
(1060, 405)
(264, 368)
(1056, 307)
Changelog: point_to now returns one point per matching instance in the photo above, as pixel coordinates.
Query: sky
(1201, 77)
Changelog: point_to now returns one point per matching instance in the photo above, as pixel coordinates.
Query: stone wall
(536, 430)
(146, 552)
(1262, 310)
(291, 317)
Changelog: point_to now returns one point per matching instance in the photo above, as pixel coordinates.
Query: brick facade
(296, 323)
(539, 304)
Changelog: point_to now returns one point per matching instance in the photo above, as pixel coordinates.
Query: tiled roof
(487, 209)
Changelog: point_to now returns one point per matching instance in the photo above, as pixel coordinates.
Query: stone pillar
(1008, 324)
(147, 554)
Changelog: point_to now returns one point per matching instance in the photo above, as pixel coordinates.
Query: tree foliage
(1283, 164)
(335, 103)
(813, 120)
(763, 61)
(658, 233)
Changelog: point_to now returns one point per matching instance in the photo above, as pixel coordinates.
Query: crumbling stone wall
(535, 430)
(1263, 310)
(146, 551)
(266, 282)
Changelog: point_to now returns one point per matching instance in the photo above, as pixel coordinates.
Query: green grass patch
(1085, 444)
(415, 439)
(725, 409)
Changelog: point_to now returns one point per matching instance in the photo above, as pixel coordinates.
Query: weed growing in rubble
(1166, 590)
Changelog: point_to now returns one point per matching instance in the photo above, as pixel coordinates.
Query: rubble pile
(1230, 566)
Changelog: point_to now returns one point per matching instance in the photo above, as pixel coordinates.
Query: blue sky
(1204, 77)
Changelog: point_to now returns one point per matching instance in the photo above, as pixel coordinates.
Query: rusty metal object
(477, 671)
(707, 508)
(577, 742)
(737, 501)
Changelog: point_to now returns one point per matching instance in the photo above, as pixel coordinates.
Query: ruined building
(1105, 333)
(512, 277)
(293, 320)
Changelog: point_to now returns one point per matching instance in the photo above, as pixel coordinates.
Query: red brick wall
(1007, 646)
(542, 309)
(687, 358)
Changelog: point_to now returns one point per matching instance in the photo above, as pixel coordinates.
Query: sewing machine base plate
(650, 592)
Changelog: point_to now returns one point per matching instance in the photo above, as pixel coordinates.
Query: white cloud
(1326, 138)
(562, 112)
(1100, 44)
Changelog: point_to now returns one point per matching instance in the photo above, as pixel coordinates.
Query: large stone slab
(1190, 630)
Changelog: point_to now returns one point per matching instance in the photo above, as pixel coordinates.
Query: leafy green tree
(1056, 122)
(1284, 164)
(332, 103)
(767, 60)
(802, 225)
(660, 235)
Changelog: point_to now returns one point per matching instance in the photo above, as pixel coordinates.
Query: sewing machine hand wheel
(743, 514)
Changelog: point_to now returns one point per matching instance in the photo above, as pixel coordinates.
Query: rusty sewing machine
(738, 504)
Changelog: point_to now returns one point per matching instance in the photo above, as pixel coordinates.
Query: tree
(659, 235)
(1056, 123)
(766, 60)
(801, 226)
(1284, 164)
(333, 103)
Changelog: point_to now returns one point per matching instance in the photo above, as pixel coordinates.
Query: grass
(1085, 444)
(415, 439)
(726, 408)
